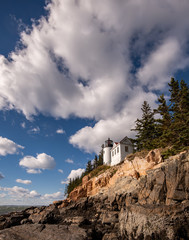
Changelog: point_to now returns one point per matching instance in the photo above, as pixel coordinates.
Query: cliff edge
(142, 198)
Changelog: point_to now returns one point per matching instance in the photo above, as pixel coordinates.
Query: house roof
(126, 140)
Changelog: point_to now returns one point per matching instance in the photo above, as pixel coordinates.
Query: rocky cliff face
(139, 199)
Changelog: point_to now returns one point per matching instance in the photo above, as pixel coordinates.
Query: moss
(171, 151)
(114, 171)
(141, 154)
(99, 170)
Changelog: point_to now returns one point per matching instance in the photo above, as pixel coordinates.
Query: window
(112, 153)
(126, 149)
(117, 149)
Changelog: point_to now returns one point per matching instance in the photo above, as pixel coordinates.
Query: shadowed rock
(153, 205)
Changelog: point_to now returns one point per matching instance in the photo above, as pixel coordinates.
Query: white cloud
(23, 181)
(33, 171)
(53, 196)
(60, 131)
(35, 165)
(2, 195)
(76, 173)
(65, 182)
(90, 139)
(19, 192)
(69, 160)
(20, 195)
(60, 170)
(88, 71)
(1, 176)
(161, 63)
(34, 130)
(73, 174)
(7, 146)
(23, 125)
(34, 194)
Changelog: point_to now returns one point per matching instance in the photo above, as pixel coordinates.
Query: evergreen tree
(164, 135)
(100, 158)
(180, 114)
(89, 167)
(174, 90)
(181, 121)
(145, 128)
(184, 100)
(95, 164)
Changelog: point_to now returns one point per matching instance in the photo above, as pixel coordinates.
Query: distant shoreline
(5, 209)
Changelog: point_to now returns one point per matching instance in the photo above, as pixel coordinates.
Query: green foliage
(72, 184)
(168, 152)
(141, 154)
(95, 164)
(89, 167)
(94, 169)
(145, 128)
(180, 114)
(100, 158)
(99, 170)
(163, 126)
(172, 128)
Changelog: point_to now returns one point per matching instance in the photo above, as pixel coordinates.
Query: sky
(72, 74)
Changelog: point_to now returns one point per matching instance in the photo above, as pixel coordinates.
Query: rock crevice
(152, 206)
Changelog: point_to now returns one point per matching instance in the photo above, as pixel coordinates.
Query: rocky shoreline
(153, 205)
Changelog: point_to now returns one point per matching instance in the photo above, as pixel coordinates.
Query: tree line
(91, 165)
(164, 127)
(168, 125)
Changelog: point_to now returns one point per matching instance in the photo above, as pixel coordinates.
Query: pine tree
(145, 128)
(174, 90)
(164, 135)
(95, 164)
(184, 100)
(181, 122)
(180, 114)
(89, 167)
(100, 158)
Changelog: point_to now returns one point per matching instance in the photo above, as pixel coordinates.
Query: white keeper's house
(114, 153)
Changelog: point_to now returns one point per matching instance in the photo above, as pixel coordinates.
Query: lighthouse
(107, 152)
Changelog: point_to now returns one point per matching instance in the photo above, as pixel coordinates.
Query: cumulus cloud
(23, 181)
(35, 165)
(53, 196)
(69, 160)
(73, 174)
(76, 173)
(60, 131)
(65, 182)
(90, 139)
(161, 63)
(34, 194)
(2, 195)
(60, 171)
(20, 192)
(7, 146)
(96, 70)
(33, 171)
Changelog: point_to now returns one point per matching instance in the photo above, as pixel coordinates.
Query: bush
(99, 170)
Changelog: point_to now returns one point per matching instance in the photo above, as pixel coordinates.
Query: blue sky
(72, 74)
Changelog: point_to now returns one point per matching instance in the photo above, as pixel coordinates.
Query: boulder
(154, 205)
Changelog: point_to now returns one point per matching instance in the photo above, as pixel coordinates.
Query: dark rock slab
(43, 232)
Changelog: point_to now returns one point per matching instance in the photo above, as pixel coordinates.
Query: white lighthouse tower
(107, 151)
